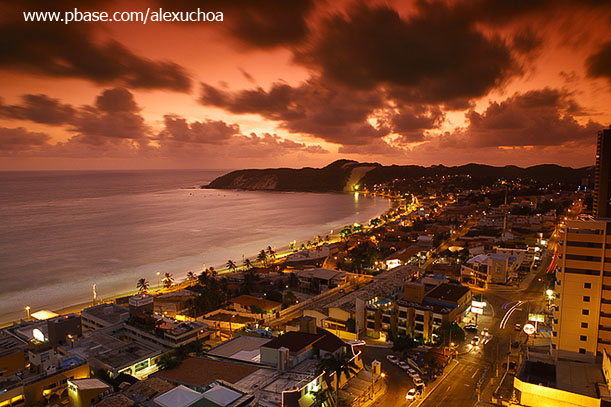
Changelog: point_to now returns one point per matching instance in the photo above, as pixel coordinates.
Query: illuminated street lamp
(27, 309)
(550, 297)
(158, 281)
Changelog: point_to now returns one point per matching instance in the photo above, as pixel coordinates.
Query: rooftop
(319, 273)
(249, 300)
(295, 341)
(109, 313)
(405, 254)
(89, 384)
(447, 292)
(241, 347)
(203, 371)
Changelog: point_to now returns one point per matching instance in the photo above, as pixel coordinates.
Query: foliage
(168, 280)
(289, 299)
(351, 325)
(450, 332)
(340, 364)
(403, 343)
(143, 285)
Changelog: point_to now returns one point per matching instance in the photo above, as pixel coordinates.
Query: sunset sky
(303, 83)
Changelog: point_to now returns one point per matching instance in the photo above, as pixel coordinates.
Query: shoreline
(282, 251)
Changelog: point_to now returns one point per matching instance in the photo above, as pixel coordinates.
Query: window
(555, 320)
(582, 351)
(586, 298)
(585, 312)
(583, 338)
(553, 346)
(582, 258)
(584, 324)
(587, 285)
(555, 333)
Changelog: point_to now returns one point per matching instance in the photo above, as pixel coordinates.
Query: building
(602, 197)
(403, 256)
(103, 315)
(582, 316)
(491, 268)
(64, 329)
(319, 279)
(86, 392)
(563, 384)
(250, 304)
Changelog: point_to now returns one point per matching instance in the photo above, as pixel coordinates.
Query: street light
(158, 281)
(27, 309)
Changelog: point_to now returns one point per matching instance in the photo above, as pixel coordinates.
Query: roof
(319, 273)
(149, 388)
(202, 371)
(222, 395)
(295, 341)
(44, 314)
(116, 400)
(109, 313)
(405, 254)
(329, 342)
(89, 384)
(448, 292)
(241, 347)
(249, 300)
(180, 396)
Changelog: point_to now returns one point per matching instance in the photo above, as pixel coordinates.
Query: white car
(418, 381)
(403, 365)
(412, 394)
(412, 373)
(475, 341)
(392, 359)
(485, 332)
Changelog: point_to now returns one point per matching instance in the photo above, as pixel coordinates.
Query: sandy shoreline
(282, 251)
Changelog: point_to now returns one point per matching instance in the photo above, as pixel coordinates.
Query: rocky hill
(344, 175)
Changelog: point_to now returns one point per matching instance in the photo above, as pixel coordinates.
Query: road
(458, 387)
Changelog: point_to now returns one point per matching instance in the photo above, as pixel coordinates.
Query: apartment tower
(602, 188)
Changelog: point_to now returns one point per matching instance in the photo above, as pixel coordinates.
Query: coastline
(282, 251)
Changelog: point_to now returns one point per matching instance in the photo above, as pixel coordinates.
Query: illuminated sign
(478, 304)
(536, 317)
(478, 311)
(529, 329)
(37, 333)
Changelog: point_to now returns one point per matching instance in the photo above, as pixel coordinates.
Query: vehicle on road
(412, 373)
(518, 327)
(486, 339)
(485, 332)
(392, 359)
(403, 365)
(412, 394)
(475, 341)
(418, 381)
(471, 328)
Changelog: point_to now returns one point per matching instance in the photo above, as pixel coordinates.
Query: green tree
(340, 364)
(168, 361)
(450, 332)
(248, 264)
(403, 343)
(271, 252)
(143, 285)
(191, 276)
(168, 280)
(231, 265)
(289, 299)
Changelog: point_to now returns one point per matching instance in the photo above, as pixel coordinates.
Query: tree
(403, 343)
(168, 280)
(323, 396)
(450, 332)
(262, 257)
(231, 265)
(248, 264)
(340, 364)
(191, 276)
(143, 285)
(289, 299)
(271, 252)
(168, 361)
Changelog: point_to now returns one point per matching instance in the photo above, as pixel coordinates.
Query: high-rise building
(602, 187)
(582, 318)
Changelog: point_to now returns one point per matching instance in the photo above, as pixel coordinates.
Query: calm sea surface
(60, 232)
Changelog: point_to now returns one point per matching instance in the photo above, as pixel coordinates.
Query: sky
(304, 83)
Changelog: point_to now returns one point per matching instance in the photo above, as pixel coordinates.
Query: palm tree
(191, 276)
(248, 264)
(262, 257)
(231, 265)
(271, 252)
(213, 272)
(340, 364)
(168, 280)
(143, 285)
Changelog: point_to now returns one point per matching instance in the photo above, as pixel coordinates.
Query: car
(475, 341)
(485, 332)
(486, 339)
(403, 365)
(518, 327)
(392, 359)
(412, 373)
(358, 342)
(418, 381)
(471, 328)
(412, 394)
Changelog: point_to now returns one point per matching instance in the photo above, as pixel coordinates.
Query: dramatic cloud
(535, 118)
(431, 56)
(599, 63)
(39, 109)
(411, 122)
(207, 132)
(258, 24)
(20, 139)
(60, 50)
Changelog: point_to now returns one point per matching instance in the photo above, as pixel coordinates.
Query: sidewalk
(436, 384)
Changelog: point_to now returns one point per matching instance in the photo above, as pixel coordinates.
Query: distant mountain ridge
(344, 175)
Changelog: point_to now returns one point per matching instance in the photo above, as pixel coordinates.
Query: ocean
(63, 231)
